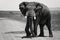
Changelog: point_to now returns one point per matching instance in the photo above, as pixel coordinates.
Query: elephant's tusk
(25, 16)
(34, 17)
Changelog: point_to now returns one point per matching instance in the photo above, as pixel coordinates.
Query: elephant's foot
(33, 35)
(50, 35)
(27, 35)
(40, 35)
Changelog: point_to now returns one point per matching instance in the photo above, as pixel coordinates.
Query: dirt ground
(14, 30)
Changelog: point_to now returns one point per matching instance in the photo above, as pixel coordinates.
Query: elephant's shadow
(21, 34)
(33, 37)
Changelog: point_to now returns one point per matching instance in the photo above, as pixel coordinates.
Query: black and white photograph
(29, 19)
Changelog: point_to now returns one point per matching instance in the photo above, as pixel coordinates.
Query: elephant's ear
(22, 7)
(39, 8)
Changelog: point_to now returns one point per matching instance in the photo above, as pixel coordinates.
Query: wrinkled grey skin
(37, 13)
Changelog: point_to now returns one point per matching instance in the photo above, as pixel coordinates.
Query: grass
(16, 15)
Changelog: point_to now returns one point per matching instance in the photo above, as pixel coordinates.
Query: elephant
(37, 13)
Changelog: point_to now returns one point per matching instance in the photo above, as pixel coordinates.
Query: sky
(14, 4)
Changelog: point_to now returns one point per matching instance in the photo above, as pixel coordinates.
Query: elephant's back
(45, 9)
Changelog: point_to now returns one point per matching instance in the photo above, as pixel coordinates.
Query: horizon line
(19, 10)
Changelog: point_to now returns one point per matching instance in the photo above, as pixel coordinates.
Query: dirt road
(14, 30)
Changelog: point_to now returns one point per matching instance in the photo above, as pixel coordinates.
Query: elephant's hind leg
(41, 31)
(48, 24)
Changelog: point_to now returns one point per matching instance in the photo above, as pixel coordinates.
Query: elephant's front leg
(28, 27)
(35, 28)
(35, 22)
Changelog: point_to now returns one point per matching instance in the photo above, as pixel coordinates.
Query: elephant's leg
(27, 28)
(41, 30)
(48, 24)
(35, 28)
(35, 22)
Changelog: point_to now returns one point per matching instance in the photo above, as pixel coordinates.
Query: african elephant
(39, 14)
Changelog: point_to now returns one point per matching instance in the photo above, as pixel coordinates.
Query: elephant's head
(30, 9)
